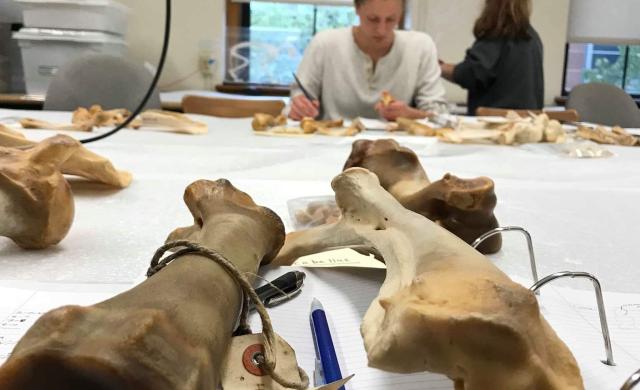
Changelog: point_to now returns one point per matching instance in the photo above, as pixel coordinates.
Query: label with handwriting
(339, 258)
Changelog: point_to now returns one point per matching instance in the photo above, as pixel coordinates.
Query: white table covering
(582, 214)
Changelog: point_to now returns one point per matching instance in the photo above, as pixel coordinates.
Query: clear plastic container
(313, 211)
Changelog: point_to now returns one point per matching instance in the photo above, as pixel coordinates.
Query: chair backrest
(564, 116)
(604, 104)
(230, 108)
(110, 81)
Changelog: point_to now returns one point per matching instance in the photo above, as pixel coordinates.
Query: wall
(198, 27)
(450, 23)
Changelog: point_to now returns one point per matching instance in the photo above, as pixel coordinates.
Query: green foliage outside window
(300, 16)
(604, 71)
(333, 17)
(633, 70)
(279, 33)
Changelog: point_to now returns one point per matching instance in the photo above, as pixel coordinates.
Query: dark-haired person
(503, 68)
(347, 69)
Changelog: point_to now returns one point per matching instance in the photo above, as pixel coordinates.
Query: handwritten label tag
(339, 258)
(240, 372)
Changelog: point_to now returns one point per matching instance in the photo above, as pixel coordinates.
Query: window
(268, 45)
(613, 64)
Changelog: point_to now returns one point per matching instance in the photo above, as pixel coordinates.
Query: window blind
(604, 21)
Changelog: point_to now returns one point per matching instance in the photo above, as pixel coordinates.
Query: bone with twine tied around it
(267, 363)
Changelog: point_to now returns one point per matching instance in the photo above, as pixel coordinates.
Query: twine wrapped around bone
(267, 362)
(172, 331)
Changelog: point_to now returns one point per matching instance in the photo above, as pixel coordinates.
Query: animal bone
(11, 138)
(554, 132)
(265, 124)
(386, 98)
(354, 128)
(96, 116)
(443, 306)
(617, 136)
(85, 120)
(31, 123)
(310, 125)
(169, 332)
(414, 127)
(172, 121)
(36, 204)
(82, 162)
(462, 206)
(508, 131)
(283, 131)
(8, 131)
(262, 122)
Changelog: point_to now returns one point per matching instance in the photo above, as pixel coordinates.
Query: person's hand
(301, 107)
(398, 109)
(447, 70)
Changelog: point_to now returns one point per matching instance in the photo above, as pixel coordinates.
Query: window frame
(239, 16)
(625, 68)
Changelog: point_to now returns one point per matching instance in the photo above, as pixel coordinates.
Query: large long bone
(443, 306)
(36, 203)
(462, 206)
(83, 162)
(169, 332)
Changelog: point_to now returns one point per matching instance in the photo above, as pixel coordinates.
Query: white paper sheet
(21, 307)
(347, 293)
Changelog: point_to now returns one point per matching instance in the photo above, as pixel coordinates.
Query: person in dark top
(503, 68)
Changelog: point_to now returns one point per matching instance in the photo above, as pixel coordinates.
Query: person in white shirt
(347, 69)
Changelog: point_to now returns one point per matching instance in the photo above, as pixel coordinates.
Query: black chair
(604, 104)
(110, 81)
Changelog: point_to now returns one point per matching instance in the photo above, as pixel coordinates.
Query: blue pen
(324, 344)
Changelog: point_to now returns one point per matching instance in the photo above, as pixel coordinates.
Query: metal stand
(601, 310)
(532, 257)
(632, 381)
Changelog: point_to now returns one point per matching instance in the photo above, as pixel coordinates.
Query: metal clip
(532, 257)
(600, 301)
(632, 381)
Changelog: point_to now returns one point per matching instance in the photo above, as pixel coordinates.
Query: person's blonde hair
(358, 3)
(504, 19)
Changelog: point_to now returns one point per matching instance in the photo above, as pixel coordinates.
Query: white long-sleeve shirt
(339, 74)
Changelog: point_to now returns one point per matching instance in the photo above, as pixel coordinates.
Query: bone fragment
(262, 122)
(463, 206)
(386, 98)
(95, 116)
(443, 306)
(512, 130)
(31, 123)
(615, 136)
(171, 331)
(175, 122)
(310, 125)
(353, 129)
(85, 120)
(36, 204)
(414, 127)
(8, 131)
